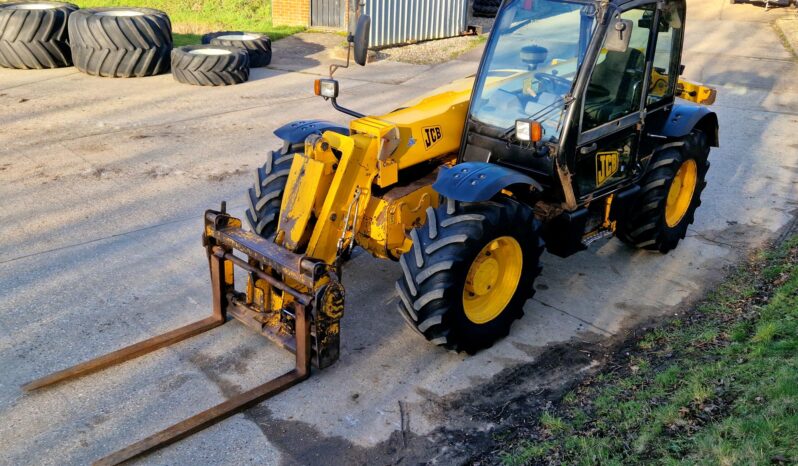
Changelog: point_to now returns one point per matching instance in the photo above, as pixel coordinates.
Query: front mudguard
(478, 181)
(297, 131)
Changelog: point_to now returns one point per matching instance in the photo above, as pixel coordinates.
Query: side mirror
(361, 39)
(618, 35)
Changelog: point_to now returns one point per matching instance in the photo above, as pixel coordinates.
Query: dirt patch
(221, 176)
(162, 171)
(472, 418)
(216, 367)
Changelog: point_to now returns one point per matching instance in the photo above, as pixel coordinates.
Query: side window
(615, 87)
(668, 33)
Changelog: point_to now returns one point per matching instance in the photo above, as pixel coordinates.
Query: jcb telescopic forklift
(569, 132)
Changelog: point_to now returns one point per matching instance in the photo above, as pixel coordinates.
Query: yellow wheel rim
(680, 196)
(492, 279)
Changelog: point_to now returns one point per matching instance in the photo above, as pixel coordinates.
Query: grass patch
(718, 387)
(191, 19)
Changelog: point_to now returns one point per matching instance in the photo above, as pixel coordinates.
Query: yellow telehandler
(570, 132)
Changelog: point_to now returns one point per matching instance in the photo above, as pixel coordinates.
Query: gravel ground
(433, 51)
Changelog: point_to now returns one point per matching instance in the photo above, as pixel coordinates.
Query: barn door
(327, 13)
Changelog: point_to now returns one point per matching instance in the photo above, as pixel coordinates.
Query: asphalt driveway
(102, 187)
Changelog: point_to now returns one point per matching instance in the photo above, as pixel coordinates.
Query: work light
(327, 88)
(528, 130)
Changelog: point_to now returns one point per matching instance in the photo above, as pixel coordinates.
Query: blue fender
(296, 132)
(686, 116)
(478, 181)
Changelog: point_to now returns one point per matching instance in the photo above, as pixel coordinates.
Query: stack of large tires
(210, 65)
(120, 42)
(33, 35)
(258, 46)
(486, 8)
(123, 43)
(224, 58)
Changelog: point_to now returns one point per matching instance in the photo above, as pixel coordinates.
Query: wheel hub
(492, 279)
(680, 194)
(484, 277)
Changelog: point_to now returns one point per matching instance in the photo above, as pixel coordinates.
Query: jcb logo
(432, 134)
(607, 164)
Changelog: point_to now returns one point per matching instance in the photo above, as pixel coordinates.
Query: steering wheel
(553, 82)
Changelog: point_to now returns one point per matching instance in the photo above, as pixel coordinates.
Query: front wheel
(469, 272)
(266, 195)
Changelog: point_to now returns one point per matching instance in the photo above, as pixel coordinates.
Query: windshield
(531, 63)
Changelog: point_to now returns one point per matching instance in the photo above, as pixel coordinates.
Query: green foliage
(726, 393)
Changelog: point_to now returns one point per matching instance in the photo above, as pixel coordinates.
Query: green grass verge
(719, 387)
(191, 19)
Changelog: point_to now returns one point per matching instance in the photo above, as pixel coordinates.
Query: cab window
(668, 36)
(615, 88)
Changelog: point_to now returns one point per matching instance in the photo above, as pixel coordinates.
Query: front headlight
(327, 88)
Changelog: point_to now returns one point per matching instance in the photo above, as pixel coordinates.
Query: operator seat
(615, 86)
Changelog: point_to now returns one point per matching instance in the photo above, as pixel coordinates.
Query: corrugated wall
(400, 21)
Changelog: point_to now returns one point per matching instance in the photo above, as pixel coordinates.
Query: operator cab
(562, 81)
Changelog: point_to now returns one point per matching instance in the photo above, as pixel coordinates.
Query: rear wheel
(266, 196)
(671, 193)
(469, 272)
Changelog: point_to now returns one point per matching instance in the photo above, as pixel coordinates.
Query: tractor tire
(120, 42)
(266, 196)
(439, 287)
(258, 46)
(33, 35)
(655, 222)
(210, 65)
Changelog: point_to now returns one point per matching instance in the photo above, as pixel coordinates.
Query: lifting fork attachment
(306, 324)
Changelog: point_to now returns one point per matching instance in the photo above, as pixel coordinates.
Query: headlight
(327, 88)
(528, 130)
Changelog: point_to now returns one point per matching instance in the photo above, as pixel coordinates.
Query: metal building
(401, 21)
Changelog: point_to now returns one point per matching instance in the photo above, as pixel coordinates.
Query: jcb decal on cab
(607, 164)
(432, 134)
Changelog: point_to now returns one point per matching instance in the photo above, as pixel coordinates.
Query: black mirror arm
(335, 67)
(345, 110)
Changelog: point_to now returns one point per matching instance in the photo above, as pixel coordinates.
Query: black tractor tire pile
(258, 46)
(33, 36)
(210, 65)
(120, 42)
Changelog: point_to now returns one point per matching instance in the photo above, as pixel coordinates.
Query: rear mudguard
(297, 131)
(478, 181)
(686, 116)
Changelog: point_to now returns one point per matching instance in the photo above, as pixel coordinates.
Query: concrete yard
(102, 187)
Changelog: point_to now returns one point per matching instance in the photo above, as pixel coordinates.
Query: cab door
(612, 116)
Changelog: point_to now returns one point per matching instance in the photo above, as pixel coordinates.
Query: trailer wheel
(258, 46)
(33, 35)
(469, 272)
(210, 65)
(671, 193)
(120, 42)
(266, 196)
